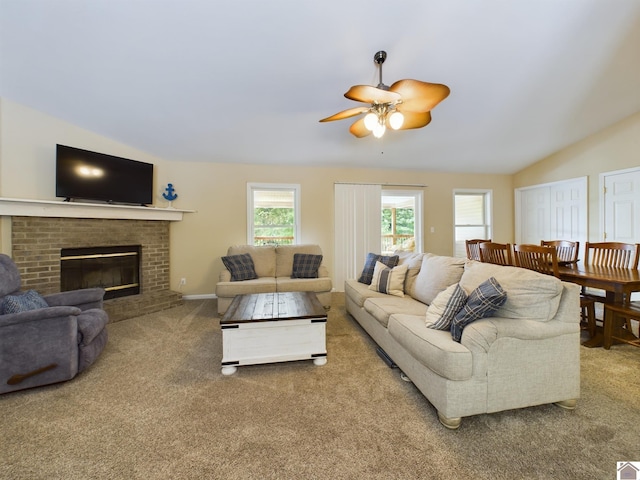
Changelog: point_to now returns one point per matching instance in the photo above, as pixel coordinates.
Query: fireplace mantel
(48, 208)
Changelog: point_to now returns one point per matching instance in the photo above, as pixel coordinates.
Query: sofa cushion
(241, 267)
(258, 285)
(370, 265)
(389, 280)
(359, 292)
(382, 307)
(285, 284)
(431, 348)
(283, 261)
(482, 302)
(436, 274)
(441, 318)
(264, 258)
(22, 302)
(531, 295)
(305, 265)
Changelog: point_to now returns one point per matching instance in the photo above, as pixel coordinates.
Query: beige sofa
(525, 354)
(273, 266)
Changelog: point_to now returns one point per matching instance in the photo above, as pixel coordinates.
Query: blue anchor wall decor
(171, 194)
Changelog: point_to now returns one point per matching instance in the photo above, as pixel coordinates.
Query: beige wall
(217, 192)
(614, 148)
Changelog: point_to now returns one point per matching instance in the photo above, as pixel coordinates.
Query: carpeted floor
(155, 406)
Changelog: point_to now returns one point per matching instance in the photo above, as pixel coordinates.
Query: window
(401, 221)
(273, 214)
(472, 217)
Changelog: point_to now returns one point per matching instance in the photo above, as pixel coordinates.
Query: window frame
(288, 187)
(487, 211)
(418, 195)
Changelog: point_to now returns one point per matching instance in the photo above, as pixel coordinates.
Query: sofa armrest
(90, 324)
(38, 315)
(225, 276)
(84, 299)
(483, 333)
(323, 271)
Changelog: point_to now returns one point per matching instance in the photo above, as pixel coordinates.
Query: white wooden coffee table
(273, 327)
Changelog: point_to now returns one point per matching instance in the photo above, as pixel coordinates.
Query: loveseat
(524, 352)
(267, 269)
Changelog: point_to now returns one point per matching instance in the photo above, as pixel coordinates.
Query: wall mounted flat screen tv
(86, 175)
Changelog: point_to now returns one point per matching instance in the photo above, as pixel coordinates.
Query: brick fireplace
(38, 241)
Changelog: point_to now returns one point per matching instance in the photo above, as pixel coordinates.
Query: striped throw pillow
(389, 280)
(455, 303)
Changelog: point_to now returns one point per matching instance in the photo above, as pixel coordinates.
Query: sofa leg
(450, 423)
(404, 377)
(567, 404)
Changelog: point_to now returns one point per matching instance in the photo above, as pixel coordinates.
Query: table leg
(229, 370)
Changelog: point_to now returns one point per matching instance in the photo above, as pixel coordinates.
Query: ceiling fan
(404, 105)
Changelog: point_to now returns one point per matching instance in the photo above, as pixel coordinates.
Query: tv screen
(82, 174)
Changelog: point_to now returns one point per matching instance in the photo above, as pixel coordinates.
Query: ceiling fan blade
(370, 94)
(419, 96)
(415, 120)
(351, 112)
(358, 129)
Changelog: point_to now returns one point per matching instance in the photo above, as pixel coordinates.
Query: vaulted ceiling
(247, 81)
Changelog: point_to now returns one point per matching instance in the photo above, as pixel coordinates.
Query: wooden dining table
(618, 284)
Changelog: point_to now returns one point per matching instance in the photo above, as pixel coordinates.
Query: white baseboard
(203, 296)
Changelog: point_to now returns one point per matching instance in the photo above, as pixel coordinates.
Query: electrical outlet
(183, 282)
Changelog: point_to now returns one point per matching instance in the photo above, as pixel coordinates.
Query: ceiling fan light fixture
(379, 130)
(370, 121)
(396, 119)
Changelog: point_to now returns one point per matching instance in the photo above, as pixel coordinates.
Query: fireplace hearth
(114, 268)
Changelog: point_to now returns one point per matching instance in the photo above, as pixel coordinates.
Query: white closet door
(568, 208)
(535, 215)
(554, 211)
(622, 206)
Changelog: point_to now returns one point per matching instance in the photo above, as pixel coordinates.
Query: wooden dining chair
(540, 258)
(567, 250)
(613, 332)
(498, 253)
(612, 254)
(472, 247)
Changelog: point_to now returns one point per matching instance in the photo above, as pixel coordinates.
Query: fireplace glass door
(116, 269)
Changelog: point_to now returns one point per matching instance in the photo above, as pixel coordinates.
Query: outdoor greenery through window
(273, 214)
(400, 216)
(472, 218)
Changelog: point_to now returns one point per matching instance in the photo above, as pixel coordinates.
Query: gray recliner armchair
(49, 338)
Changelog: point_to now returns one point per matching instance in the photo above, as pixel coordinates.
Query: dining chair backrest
(566, 250)
(498, 253)
(612, 254)
(543, 259)
(473, 251)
